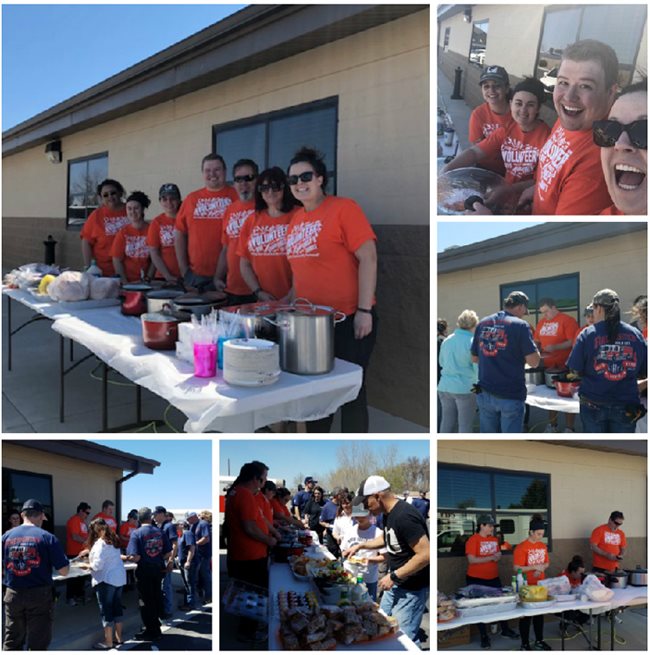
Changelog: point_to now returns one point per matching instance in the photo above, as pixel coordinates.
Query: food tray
(565, 598)
(462, 603)
(243, 599)
(534, 605)
(484, 610)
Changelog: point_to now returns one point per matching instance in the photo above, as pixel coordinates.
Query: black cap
(82, 506)
(32, 504)
(616, 515)
(133, 514)
(159, 509)
(310, 479)
(169, 189)
(498, 73)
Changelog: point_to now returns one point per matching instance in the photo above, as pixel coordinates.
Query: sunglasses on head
(272, 186)
(244, 178)
(307, 176)
(607, 133)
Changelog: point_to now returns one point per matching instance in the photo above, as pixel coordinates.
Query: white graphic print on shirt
(392, 543)
(536, 556)
(268, 240)
(211, 207)
(612, 538)
(303, 240)
(488, 128)
(487, 548)
(113, 224)
(235, 221)
(549, 329)
(166, 235)
(519, 158)
(552, 157)
(136, 246)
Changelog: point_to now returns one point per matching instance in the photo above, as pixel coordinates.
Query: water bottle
(520, 580)
(513, 583)
(93, 269)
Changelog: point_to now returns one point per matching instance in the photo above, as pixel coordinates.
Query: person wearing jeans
(170, 530)
(201, 531)
(500, 414)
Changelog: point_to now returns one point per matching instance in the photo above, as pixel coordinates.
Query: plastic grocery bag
(71, 286)
(557, 586)
(595, 590)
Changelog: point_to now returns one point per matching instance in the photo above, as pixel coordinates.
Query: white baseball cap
(373, 484)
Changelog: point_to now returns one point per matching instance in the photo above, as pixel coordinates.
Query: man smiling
(569, 176)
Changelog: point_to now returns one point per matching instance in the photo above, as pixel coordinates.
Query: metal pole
(9, 331)
(104, 397)
(61, 379)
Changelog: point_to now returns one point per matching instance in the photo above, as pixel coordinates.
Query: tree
(534, 497)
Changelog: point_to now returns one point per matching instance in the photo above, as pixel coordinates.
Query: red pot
(134, 299)
(566, 389)
(159, 331)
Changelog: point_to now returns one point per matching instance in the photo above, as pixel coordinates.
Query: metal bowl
(454, 187)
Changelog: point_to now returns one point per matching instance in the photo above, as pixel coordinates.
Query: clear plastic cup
(205, 360)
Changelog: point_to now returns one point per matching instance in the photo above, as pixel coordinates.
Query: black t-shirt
(404, 525)
(312, 509)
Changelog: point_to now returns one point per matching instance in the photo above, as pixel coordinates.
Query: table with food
(552, 389)
(230, 369)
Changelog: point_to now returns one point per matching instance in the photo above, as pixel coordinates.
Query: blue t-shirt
(422, 506)
(610, 371)
(300, 499)
(151, 544)
(329, 511)
(170, 530)
(200, 530)
(501, 343)
(184, 543)
(29, 554)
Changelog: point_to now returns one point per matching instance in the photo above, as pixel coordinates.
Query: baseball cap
(498, 73)
(169, 190)
(189, 515)
(589, 309)
(373, 484)
(606, 297)
(358, 511)
(133, 514)
(82, 506)
(517, 298)
(486, 518)
(616, 515)
(158, 509)
(32, 503)
(310, 479)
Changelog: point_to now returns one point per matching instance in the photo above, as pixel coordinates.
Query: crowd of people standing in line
(151, 539)
(272, 236)
(482, 365)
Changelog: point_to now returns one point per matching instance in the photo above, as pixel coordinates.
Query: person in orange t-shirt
(129, 526)
(483, 554)
(228, 275)
(197, 236)
(130, 251)
(492, 114)
(531, 556)
(102, 225)
(76, 533)
(281, 512)
(247, 531)
(554, 335)
(107, 513)
(589, 320)
(608, 544)
(160, 237)
(333, 257)
(263, 239)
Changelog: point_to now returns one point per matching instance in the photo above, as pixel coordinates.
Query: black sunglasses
(244, 178)
(307, 176)
(606, 133)
(273, 186)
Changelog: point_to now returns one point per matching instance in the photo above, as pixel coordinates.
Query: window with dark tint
(83, 177)
(447, 33)
(479, 43)
(272, 139)
(19, 486)
(564, 289)
(619, 26)
(511, 497)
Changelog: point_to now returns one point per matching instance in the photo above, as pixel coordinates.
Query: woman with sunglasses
(102, 225)
(611, 358)
(130, 251)
(263, 239)
(333, 256)
(623, 140)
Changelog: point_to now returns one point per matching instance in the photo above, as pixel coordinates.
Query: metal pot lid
(164, 294)
(137, 287)
(192, 302)
(638, 569)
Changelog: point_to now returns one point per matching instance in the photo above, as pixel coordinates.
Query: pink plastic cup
(205, 360)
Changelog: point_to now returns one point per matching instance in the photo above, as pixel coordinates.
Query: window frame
(6, 475)
(492, 471)
(77, 160)
(472, 45)
(330, 102)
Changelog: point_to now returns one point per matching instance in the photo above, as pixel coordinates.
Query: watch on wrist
(395, 578)
(364, 310)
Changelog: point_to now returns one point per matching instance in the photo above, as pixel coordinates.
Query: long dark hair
(575, 564)
(274, 174)
(348, 499)
(95, 533)
(612, 320)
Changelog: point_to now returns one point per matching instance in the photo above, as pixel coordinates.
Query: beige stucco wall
(72, 480)
(381, 77)
(599, 264)
(586, 485)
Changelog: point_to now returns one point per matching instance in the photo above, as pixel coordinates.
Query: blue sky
(182, 481)
(52, 52)
(311, 457)
(461, 233)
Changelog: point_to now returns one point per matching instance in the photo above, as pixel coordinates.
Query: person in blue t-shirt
(502, 346)
(303, 496)
(611, 357)
(326, 519)
(421, 504)
(201, 531)
(169, 529)
(150, 547)
(187, 560)
(29, 554)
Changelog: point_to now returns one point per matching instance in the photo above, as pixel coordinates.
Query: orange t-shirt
(279, 508)
(320, 248)
(582, 329)
(100, 230)
(130, 245)
(265, 506)
(610, 542)
(110, 520)
(518, 150)
(76, 526)
(482, 122)
(161, 236)
(569, 178)
(482, 547)
(200, 218)
(612, 211)
(574, 582)
(263, 242)
(241, 505)
(125, 533)
(528, 553)
(561, 328)
(236, 216)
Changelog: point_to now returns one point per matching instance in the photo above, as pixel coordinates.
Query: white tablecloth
(629, 597)
(78, 572)
(208, 403)
(281, 579)
(52, 309)
(546, 398)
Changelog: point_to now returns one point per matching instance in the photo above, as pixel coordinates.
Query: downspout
(118, 492)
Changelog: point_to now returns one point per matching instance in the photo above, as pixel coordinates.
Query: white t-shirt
(341, 524)
(106, 565)
(354, 535)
